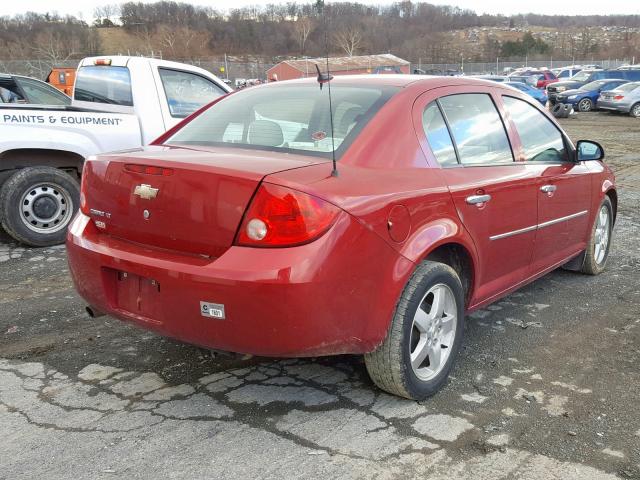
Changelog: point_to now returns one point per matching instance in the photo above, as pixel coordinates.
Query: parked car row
(611, 90)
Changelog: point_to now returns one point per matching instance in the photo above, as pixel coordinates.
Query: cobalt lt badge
(146, 191)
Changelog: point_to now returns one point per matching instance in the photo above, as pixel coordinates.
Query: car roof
(393, 80)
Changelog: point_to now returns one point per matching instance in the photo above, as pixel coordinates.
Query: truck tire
(37, 204)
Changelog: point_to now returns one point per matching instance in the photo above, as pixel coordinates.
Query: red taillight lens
(281, 217)
(618, 97)
(148, 169)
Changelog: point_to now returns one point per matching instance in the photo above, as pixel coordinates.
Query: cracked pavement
(547, 385)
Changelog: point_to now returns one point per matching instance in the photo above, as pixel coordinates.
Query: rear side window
(541, 140)
(438, 135)
(186, 92)
(41, 93)
(477, 129)
(104, 84)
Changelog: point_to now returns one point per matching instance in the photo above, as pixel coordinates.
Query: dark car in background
(19, 89)
(584, 98)
(623, 99)
(587, 76)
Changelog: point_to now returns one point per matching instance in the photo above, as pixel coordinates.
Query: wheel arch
(613, 196)
(19, 158)
(445, 240)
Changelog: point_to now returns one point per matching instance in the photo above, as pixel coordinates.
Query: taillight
(618, 97)
(282, 217)
(148, 169)
(84, 208)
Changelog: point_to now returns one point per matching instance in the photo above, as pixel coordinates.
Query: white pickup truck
(118, 103)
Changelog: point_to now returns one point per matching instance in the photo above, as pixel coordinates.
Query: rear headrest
(265, 133)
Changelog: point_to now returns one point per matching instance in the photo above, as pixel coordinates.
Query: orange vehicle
(62, 78)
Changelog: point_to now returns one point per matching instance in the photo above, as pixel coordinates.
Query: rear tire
(421, 346)
(37, 204)
(634, 111)
(597, 252)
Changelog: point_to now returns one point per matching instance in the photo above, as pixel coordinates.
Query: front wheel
(597, 253)
(424, 337)
(585, 105)
(37, 204)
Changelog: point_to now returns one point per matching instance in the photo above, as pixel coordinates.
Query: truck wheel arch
(12, 160)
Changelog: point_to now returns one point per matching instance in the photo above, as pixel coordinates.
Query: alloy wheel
(601, 240)
(433, 332)
(584, 105)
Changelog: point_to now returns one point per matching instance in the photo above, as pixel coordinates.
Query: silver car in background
(625, 99)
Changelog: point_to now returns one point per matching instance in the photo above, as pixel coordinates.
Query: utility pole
(226, 67)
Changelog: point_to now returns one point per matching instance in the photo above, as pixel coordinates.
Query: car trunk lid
(182, 199)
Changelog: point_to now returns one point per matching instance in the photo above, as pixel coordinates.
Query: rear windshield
(628, 87)
(104, 84)
(290, 118)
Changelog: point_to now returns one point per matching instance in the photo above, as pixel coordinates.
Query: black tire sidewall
(11, 195)
(415, 387)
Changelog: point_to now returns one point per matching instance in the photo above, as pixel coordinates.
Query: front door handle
(476, 199)
(548, 188)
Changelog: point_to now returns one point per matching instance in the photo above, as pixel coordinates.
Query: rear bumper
(334, 295)
(614, 106)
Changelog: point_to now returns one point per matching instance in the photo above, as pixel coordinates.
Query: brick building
(363, 64)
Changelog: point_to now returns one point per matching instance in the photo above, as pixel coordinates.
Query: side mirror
(588, 150)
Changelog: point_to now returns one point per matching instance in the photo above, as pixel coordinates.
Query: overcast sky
(84, 8)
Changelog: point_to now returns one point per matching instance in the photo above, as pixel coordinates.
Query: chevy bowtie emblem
(146, 191)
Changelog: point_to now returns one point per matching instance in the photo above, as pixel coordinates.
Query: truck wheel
(424, 337)
(37, 204)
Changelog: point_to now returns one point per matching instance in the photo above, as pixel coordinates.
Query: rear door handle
(476, 199)
(548, 188)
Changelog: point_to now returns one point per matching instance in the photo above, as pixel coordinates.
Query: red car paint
(336, 293)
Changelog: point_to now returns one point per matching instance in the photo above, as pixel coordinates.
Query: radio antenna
(326, 78)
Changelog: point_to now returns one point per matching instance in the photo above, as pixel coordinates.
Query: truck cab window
(186, 92)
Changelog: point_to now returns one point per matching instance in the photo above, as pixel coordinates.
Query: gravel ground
(547, 386)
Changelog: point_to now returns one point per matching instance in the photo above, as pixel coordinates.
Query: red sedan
(234, 231)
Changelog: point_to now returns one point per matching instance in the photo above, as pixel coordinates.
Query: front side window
(186, 92)
(42, 94)
(477, 129)
(438, 135)
(290, 118)
(104, 84)
(541, 140)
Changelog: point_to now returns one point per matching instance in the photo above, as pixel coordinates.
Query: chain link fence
(234, 70)
(498, 67)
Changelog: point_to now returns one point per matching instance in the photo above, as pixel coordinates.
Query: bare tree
(302, 28)
(349, 40)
